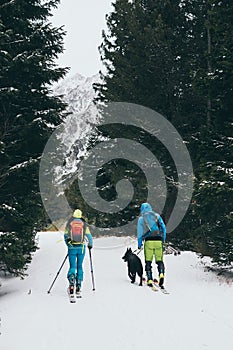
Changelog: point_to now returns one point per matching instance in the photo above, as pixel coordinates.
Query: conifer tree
(176, 58)
(29, 113)
(214, 147)
(147, 58)
(144, 54)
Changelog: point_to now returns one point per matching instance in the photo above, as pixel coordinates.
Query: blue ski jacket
(147, 224)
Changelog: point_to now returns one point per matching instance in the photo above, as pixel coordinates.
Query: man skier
(152, 230)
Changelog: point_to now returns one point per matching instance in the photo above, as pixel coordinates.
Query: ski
(72, 299)
(78, 292)
(156, 287)
(71, 296)
(152, 287)
(161, 288)
(78, 295)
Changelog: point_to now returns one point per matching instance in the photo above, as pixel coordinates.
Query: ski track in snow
(197, 314)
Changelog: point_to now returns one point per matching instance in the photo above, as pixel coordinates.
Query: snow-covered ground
(197, 314)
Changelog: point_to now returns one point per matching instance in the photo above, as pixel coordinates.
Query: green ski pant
(153, 249)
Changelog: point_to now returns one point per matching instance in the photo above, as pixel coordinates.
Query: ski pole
(139, 251)
(57, 274)
(92, 274)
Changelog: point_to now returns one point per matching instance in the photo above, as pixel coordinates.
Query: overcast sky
(84, 21)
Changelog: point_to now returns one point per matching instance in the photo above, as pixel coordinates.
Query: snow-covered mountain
(68, 144)
(196, 315)
(78, 92)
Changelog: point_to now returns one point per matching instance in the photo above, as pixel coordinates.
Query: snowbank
(197, 314)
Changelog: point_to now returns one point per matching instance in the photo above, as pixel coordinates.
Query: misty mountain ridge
(77, 91)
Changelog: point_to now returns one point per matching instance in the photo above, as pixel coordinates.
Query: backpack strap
(84, 227)
(147, 224)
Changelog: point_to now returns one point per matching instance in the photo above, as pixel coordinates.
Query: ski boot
(161, 280)
(150, 283)
(71, 288)
(149, 278)
(78, 289)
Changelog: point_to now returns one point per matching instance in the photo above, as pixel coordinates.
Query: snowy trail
(197, 314)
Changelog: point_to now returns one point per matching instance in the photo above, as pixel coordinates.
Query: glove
(140, 247)
(89, 247)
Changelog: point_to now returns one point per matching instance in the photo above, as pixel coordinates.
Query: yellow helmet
(77, 213)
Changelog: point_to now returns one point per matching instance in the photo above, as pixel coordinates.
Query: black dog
(134, 265)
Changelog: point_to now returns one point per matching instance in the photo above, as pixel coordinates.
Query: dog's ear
(130, 250)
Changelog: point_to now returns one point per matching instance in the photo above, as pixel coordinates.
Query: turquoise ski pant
(76, 256)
